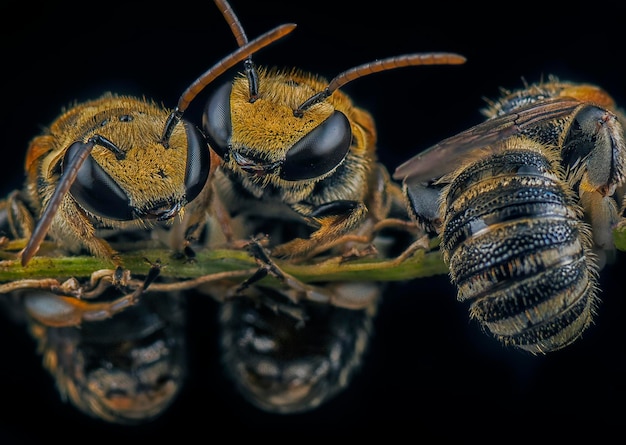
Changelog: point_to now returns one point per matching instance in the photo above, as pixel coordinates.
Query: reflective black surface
(429, 372)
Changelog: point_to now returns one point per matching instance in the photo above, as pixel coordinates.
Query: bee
(297, 164)
(99, 176)
(102, 167)
(127, 369)
(294, 359)
(293, 147)
(524, 204)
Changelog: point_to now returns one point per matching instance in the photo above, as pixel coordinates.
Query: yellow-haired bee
(299, 166)
(524, 204)
(103, 166)
(295, 148)
(101, 175)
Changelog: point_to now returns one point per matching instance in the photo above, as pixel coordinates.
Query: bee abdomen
(285, 365)
(519, 251)
(127, 369)
(543, 312)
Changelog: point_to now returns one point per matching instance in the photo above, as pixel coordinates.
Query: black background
(429, 371)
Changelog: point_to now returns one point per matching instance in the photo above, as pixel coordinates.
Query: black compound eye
(96, 191)
(198, 162)
(216, 120)
(320, 151)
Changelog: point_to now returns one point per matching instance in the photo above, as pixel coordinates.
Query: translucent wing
(446, 155)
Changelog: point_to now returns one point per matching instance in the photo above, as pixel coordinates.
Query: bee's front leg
(346, 295)
(334, 223)
(16, 219)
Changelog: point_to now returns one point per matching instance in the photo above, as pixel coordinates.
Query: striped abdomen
(290, 363)
(518, 249)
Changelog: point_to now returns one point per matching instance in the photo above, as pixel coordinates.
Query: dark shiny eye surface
(198, 162)
(320, 151)
(96, 191)
(216, 120)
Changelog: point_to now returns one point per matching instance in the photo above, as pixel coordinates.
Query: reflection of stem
(195, 282)
(72, 310)
(44, 283)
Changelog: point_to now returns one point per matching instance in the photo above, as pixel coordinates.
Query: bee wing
(447, 155)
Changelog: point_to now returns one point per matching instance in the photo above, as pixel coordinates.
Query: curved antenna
(66, 181)
(233, 22)
(377, 66)
(242, 39)
(218, 69)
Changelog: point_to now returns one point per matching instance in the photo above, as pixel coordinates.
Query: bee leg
(260, 273)
(16, 219)
(223, 218)
(420, 244)
(383, 196)
(386, 211)
(266, 265)
(183, 250)
(601, 213)
(101, 248)
(75, 225)
(193, 228)
(55, 310)
(333, 220)
(345, 296)
(61, 311)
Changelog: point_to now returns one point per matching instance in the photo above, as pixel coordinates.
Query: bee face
(276, 156)
(129, 178)
(288, 137)
(140, 179)
(525, 204)
(261, 141)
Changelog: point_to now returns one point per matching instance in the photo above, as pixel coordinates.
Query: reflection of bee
(521, 202)
(103, 168)
(126, 369)
(296, 148)
(290, 363)
(103, 165)
(291, 348)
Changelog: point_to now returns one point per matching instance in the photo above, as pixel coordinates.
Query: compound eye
(216, 120)
(198, 162)
(95, 191)
(320, 151)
